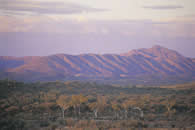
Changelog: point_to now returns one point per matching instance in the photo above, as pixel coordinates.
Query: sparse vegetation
(65, 105)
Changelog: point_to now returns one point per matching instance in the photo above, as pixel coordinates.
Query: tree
(116, 107)
(143, 103)
(77, 101)
(64, 103)
(99, 105)
(93, 107)
(125, 106)
(82, 99)
(169, 103)
(135, 105)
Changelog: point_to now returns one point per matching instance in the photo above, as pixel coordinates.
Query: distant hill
(153, 62)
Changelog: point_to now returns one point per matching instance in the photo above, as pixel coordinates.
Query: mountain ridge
(152, 61)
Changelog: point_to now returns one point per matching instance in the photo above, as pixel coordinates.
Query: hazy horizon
(103, 53)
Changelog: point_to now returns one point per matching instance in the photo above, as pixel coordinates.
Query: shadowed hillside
(156, 61)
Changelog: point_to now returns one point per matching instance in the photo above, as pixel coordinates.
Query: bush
(11, 124)
(70, 122)
(44, 124)
(82, 124)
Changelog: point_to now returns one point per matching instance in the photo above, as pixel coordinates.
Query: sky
(45, 27)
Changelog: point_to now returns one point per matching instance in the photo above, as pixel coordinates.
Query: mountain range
(152, 62)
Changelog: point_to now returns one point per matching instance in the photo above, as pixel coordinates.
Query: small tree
(125, 105)
(93, 107)
(82, 99)
(99, 105)
(169, 103)
(135, 105)
(64, 103)
(116, 107)
(77, 101)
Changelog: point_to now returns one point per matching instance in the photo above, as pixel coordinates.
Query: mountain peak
(145, 61)
(155, 49)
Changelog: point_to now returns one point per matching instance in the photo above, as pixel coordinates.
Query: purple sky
(35, 44)
(45, 27)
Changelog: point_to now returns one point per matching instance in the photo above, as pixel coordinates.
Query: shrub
(44, 124)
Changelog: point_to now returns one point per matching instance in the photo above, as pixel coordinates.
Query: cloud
(164, 7)
(10, 7)
(69, 36)
(130, 28)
